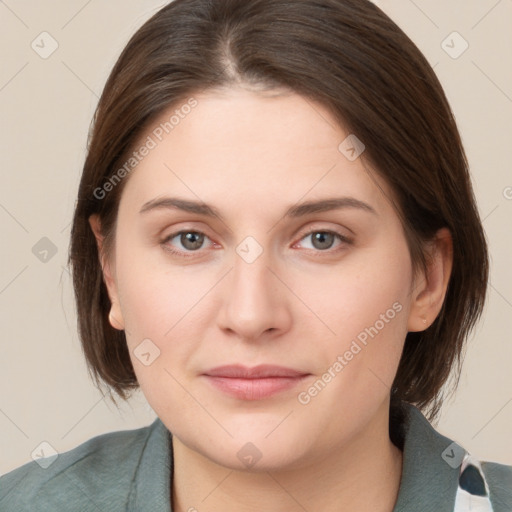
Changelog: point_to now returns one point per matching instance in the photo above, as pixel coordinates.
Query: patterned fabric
(473, 489)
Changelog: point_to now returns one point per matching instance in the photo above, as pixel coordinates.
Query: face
(322, 292)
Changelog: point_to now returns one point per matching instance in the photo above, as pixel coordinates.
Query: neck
(362, 476)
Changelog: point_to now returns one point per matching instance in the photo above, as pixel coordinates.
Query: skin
(252, 156)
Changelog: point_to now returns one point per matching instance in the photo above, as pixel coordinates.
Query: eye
(322, 240)
(191, 241)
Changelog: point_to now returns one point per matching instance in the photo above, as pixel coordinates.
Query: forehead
(267, 148)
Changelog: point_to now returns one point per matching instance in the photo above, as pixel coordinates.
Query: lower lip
(254, 389)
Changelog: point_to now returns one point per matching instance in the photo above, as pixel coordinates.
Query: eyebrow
(300, 210)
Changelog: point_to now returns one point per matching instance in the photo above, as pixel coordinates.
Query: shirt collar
(428, 482)
(429, 478)
(151, 489)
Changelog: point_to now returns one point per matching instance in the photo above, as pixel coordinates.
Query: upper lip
(257, 372)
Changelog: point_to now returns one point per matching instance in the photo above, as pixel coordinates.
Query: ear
(429, 290)
(115, 316)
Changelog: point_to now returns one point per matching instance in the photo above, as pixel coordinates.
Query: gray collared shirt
(132, 471)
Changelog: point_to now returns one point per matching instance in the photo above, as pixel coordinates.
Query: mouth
(255, 383)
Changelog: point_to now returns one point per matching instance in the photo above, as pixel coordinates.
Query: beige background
(46, 106)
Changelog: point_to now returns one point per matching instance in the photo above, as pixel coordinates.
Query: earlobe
(430, 289)
(114, 320)
(115, 316)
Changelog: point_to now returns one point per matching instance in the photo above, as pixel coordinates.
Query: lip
(255, 383)
(257, 372)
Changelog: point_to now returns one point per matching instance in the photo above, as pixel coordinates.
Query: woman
(276, 238)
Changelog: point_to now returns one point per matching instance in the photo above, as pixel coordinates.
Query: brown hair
(344, 54)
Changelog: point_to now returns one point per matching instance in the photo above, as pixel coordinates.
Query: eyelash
(191, 254)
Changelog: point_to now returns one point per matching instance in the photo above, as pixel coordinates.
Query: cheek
(154, 295)
(366, 305)
(162, 331)
(161, 334)
(353, 295)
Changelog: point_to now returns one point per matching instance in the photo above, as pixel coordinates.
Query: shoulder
(439, 472)
(499, 480)
(73, 480)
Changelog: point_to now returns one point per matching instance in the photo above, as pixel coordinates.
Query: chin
(252, 458)
(250, 451)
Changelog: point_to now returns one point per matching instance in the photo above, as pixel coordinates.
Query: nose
(255, 303)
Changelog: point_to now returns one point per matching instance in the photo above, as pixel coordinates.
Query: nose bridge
(253, 302)
(251, 274)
